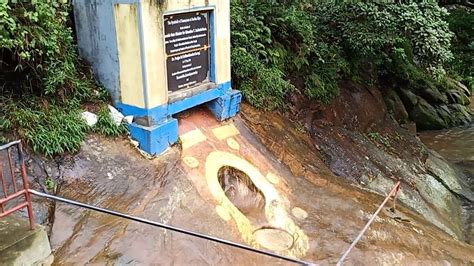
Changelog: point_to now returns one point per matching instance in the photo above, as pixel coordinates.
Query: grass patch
(45, 82)
(54, 130)
(50, 131)
(3, 140)
(106, 124)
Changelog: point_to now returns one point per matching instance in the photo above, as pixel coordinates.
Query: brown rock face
(362, 144)
(390, 243)
(356, 108)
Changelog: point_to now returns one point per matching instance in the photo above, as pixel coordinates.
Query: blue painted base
(222, 101)
(155, 140)
(226, 106)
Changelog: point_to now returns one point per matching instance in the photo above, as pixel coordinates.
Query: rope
(171, 228)
(394, 191)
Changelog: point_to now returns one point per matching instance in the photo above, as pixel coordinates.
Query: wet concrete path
(178, 189)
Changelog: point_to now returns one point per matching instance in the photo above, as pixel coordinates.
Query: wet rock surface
(330, 210)
(41, 208)
(430, 107)
(113, 175)
(368, 148)
(339, 210)
(426, 116)
(457, 145)
(396, 107)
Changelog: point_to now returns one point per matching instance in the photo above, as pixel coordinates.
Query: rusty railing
(13, 198)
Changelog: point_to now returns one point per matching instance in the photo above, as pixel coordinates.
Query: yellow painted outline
(233, 144)
(191, 162)
(225, 132)
(192, 138)
(275, 209)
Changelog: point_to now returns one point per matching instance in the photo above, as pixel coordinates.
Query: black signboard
(187, 49)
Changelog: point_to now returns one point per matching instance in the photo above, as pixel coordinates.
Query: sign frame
(210, 79)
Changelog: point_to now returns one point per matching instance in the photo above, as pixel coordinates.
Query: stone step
(19, 245)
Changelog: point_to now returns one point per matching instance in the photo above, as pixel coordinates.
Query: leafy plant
(374, 136)
(415, 33)
(5, 123)
(275, 51)
(264, 87)
(106, 124)
(3, 140)
(311, 45)
(50, 131)
(460, 22)
(37, 48)
(50, 184)
(43, 78)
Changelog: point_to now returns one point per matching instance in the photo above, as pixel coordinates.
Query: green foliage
(253, 61)
(5, 123)
(312, 45)
(3, 140)
(39, 61)
(106, 124)
(5, 127)
(424, 24)
(263, 86)
(374, 136)
(50, 131)
(50, 184)
(276, 50)
(37, 50)
(461, 22)
(411, 33)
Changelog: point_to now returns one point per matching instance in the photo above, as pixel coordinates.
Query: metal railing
(171, 228)
(18, 196)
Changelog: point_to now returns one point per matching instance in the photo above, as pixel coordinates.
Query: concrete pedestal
(226, 106)
(223, 101)
(19, 245)
(156, 139)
